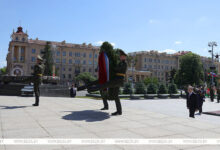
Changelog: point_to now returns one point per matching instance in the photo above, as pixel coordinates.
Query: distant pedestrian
(72, 91)
(201, 99)
(191, 102)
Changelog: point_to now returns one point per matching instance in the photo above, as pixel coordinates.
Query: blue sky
(132, 25)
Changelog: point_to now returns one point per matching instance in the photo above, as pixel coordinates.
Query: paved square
(81, 118)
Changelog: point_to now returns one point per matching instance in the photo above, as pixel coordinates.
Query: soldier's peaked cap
(39, 58)
(122, 53)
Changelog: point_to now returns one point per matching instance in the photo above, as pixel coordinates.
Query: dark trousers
(218, 99)
(105, 102)
(200, 107)
(212, 98)
(192, 112)
(104, 96)
(118, 105)
(37, 92)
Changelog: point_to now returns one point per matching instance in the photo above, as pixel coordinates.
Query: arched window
(23, 39)
(16, 38)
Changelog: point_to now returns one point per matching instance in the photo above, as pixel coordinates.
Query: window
(64, 76)
(22, 50)
(69, 76)
(158, 66)
(64, 53)
(70, 61)
(58, 53)
(22, 58)
(90, 70)
(64, 69)
(84, 55)
(84, 69)
(150, 60)
(155, 60)
(77, 54)
(57, 60)
(70, 54)
(70, 69)
(32, 67)
(155, 67)
(84, 62)
(95, 62)
(64, 61)
(90, 62)
(33, 51)
(145, 66)
(96, 55)
(23, 39)
(33, 59)
(77, 61)
(158, 60)
(16, 39)
(90, 55)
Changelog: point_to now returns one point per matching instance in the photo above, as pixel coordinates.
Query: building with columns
(69, 59)
(158, 64)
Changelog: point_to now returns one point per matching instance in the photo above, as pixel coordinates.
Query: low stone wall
(54, 90)
(13, 89)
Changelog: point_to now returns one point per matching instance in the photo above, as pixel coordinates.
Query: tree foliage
(149, 80)
(85, 77)
(172, 88)
(127, 88)
(152, 88)
(140, 88)
(162, 89)
(191, 71)
(48, 60)
(3, 71)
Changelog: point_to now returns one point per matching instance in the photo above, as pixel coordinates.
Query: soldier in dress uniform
(37, 79)
(114, 84)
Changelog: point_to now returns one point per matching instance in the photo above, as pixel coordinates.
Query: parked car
(28, 90)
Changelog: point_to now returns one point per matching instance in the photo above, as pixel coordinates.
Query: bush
(140, 88)
(127, 88)
(162, 89)
(151, 89)
(85, 77)
(172, 88)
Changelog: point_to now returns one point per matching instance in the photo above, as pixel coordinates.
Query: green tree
(172, 75)
(127, 88)
(149, 80)
(3, 71)
(172, 88)
(151, 89)
(162, 89)
(191, 71)
(140, 88)
(85, 77)
(48, 60)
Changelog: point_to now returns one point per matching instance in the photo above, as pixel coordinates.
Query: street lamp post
(212, 44)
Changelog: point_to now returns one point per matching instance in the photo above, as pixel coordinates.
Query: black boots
(116, 113)
(36, 101)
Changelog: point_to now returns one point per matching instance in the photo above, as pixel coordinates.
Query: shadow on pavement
(87, 115)
(12, 107)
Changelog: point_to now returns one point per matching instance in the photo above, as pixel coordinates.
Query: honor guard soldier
(38, 73)
(115, 84)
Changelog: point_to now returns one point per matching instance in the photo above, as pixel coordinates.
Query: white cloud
(169, 51)
(3, 64)
(178, 42)
(99, 43)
